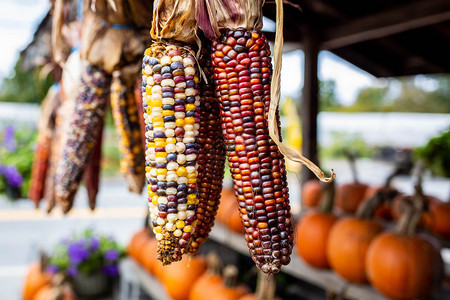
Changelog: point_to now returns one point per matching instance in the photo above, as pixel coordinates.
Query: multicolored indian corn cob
(211, 156)
(126, 118)
(242, 75)
(83, 131)
(171, 103)
(39, 170)
(91, 176)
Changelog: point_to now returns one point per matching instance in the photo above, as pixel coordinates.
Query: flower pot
(12, 193)
(92, 285)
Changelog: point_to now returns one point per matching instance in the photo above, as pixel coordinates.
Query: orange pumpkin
(313, 230)
(179, 277)
(148, 255)
(228, 212)
(135, 245)
(439, 218)
(44, 293)
(208, 281)
(312, 192)
(383, 211)
(403, 267)
(349, 196)
(228, 289)
(347, 247)
(34, 280)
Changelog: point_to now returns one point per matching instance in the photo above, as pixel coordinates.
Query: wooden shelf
(132, 272)
(325, 279)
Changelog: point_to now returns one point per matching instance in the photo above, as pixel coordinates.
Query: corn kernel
(179, 122)
(157, 229)
(180, 224)
(177, 233)
(161, 154)
(189, 120)
(187, 228)
(161, 171)
(190, 107)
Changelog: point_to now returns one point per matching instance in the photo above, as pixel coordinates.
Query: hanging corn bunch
(81, 138)
(46, 128)
(250, 123)
(242, 69)
(91, 176)
(125, 114)
(211, 155)
(171, 99)
(172, 128)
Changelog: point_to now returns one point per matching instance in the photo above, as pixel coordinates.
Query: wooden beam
(411, 16)
(310, 103)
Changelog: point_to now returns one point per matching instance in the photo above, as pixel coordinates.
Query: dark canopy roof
(383, 37)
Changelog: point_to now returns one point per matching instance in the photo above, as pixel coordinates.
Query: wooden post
(310, 102)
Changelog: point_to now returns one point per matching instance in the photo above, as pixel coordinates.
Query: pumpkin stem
(327, 201)
(405, 218)
(418, 200)
(43, 259)
(352, 161)
(265, 288)
(214, 262)
(367, 208)
(230, 274)
(413, 206)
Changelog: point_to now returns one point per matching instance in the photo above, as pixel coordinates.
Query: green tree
(25, 86)
(370, 99)
(327, 96)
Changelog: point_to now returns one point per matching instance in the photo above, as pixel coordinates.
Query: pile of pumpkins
(192, 278)
(357, 246)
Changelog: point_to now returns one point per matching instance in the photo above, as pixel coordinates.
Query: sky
(19, 19)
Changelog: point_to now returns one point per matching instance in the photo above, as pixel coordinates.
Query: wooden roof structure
(386, 38)
(383, 37)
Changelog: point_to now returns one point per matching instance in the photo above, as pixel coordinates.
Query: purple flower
(12, 175)
(72, 271)
(95, 243)
(111, 255)
(9, 139)
(111, 270)
(52, 269)
(77, 252)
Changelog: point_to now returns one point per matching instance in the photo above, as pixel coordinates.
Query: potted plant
(89, 261)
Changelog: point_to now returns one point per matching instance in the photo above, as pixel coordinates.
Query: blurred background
(376, 126)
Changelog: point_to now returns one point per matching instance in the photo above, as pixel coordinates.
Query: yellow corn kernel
(181, 171)
(161, 154)
(171, 140)
(179, 224)
(161, 171)
(157, 119)
(157, 229)
(160, 143)
(191, 175)
(179, 122)
(189, 121)
(155, 200)
(192, 180)
(166, 113)
(187, 228)
(190, 106)
(148, 90)
(155, 103)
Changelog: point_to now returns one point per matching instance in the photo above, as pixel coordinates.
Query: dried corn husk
(174, 19)
(115, 33)
(213, 15)
(64, 26)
